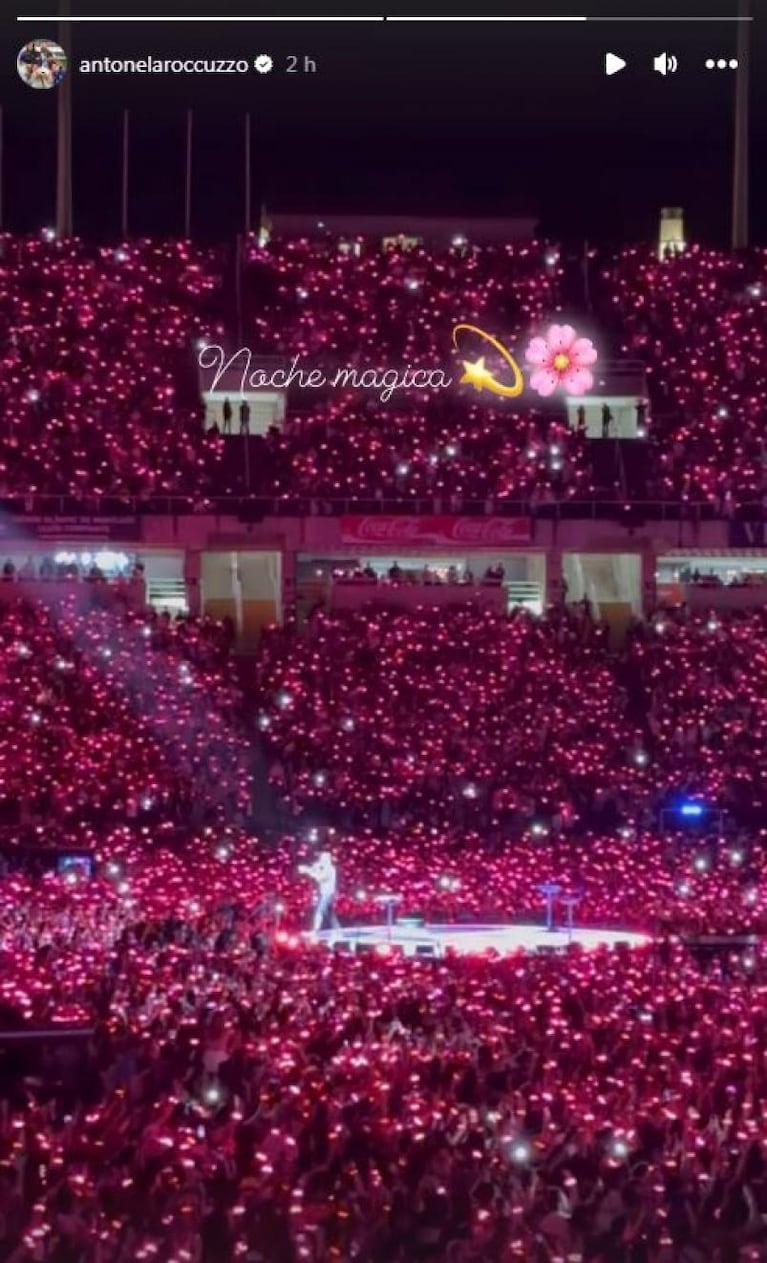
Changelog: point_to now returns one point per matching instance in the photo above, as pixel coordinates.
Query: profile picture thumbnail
(41, 63)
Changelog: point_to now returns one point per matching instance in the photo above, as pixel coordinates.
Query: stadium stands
(108, 715)
(98, 393)
(289, 1104)
(183, 1075)
(698, 322)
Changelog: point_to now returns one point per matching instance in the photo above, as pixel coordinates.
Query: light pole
(740, 157)
(64, 225)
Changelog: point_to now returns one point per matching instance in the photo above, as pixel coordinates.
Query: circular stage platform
(435, 940)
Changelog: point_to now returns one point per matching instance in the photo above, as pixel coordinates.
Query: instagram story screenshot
(383, 631)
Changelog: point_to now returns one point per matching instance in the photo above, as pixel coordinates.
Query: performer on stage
(323, 872)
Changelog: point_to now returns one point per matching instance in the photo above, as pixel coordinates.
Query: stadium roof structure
(436, 230)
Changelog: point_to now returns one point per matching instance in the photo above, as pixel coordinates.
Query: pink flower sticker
(561, 359)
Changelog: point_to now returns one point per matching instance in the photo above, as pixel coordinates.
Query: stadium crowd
(97, 389)
(703, 683)
(396, 308)
(212, 1086)
(474, 719)
(109, 714)
(697, 320)
(99, 385)
(240, 1094)
(461, 716)
(98, 382)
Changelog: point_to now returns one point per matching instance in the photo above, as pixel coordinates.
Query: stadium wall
(248, 571)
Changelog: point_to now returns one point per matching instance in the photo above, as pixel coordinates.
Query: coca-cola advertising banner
(466, 532)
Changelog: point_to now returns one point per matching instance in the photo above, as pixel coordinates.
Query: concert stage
(435, 940)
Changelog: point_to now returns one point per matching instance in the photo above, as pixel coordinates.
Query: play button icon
(613, 63)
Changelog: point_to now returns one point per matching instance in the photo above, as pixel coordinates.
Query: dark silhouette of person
(226, 413)
(607, 418)
(244, 417)
(581, 414)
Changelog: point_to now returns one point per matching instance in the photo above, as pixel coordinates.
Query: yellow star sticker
(476, 374)
(480, 377)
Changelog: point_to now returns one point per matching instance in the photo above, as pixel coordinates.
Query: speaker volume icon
(665, 64)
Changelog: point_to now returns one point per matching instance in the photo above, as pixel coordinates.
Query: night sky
(487, 119)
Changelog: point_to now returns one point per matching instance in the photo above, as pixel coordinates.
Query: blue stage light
(691, 810)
